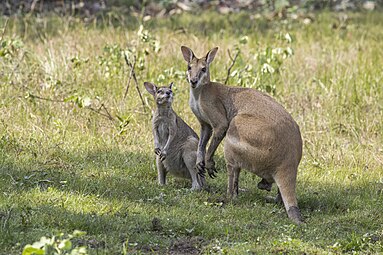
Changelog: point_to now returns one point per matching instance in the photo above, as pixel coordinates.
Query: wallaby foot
(286, 181)
(264, 185)
(295, 215)
(198, 182)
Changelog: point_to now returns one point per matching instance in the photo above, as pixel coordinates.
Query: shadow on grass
(130, 179)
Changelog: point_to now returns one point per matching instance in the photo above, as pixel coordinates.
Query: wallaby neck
(164, 110)
(196, 92)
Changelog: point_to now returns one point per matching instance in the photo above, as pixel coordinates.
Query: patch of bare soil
(186, 246)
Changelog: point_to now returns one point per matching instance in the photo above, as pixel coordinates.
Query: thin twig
(231, 65)
(98, 111)
(135, 80)
(107, 112)
(130, 75)
(4, 29)
(45, 99)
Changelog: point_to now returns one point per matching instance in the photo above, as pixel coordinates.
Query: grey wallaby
(174, 141)
(261, 136)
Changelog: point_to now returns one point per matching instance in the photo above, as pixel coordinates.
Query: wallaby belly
(175, 165)
(260, 146)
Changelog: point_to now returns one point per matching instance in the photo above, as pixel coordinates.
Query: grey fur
(174, 141)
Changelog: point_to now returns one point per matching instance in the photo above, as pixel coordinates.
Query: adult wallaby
(260, 135)
(174, 141)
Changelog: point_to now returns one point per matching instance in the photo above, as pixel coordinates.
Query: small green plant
(263, 73)
(10, 48)
(56, 245)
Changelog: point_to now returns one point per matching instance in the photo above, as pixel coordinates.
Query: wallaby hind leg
(286, 182)
(233, 181)
(190, 158)
(161, 170)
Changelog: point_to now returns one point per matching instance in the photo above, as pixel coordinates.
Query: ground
(75, 153)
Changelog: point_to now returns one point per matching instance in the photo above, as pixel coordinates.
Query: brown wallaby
(261, 136)
(174, 141)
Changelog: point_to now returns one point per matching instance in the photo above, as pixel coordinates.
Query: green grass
(65, 167)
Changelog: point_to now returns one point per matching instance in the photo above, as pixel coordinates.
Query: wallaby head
(198, 68)
(162, 95)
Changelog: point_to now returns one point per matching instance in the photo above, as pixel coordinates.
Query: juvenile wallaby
(175, 143)
(260, 135)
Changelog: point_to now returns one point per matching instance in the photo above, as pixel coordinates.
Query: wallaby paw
(157, 151)
(210, 166)
(200, 167)
(264, 185)
(163, 155)
(211, 173)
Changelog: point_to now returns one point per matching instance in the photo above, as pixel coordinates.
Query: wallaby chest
(162, 125)
(197, 108)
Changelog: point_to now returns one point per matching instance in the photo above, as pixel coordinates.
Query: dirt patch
(186, 246)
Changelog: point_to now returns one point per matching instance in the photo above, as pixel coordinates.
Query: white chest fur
(195, 105)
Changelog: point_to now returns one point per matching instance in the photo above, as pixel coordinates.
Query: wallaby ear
(187, 53)
(151, 88)
(210, 55)
(171, 85)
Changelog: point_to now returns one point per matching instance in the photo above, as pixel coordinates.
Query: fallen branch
(135, 78)
(231, 65)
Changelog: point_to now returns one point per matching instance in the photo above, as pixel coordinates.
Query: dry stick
(107, 112)
(232, 64)
(130, 75)
(4, 29)
(135, 80)
(98, 111)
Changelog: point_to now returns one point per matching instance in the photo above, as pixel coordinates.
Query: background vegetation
(77, 154)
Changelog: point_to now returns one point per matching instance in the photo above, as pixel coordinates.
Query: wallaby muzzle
(193, 82)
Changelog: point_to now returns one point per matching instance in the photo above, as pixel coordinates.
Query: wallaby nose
(193, 82)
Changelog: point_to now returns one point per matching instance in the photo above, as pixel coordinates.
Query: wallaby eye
(159, 91)
(189, 68)
(203, 69)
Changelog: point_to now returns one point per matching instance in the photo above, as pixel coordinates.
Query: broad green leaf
(65, 245)
(30, 250)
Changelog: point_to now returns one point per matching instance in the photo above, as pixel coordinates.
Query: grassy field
(76, 154)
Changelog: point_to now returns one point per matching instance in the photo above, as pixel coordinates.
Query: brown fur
(261, 136)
